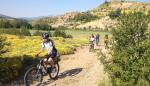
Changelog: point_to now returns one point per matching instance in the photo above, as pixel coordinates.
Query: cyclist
(97, 39)
(92, 39)
(106, 41)
(51, 50)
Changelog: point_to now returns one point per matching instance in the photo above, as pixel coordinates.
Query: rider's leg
(46, 60)
(45, 63)
(97, 42)
(51, 62)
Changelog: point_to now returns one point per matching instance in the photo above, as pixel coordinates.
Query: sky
(36, 8)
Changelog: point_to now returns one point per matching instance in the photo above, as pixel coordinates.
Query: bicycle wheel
(54, 72)
(92, 46)
(89, 49)
(33, 76)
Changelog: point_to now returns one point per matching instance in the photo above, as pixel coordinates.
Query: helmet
(45, 35)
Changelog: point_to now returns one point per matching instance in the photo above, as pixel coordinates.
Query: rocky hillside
(105, 8)
(102, 24)
(95, 18)
(56, 21)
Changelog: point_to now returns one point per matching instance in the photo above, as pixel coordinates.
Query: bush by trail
(130, 63)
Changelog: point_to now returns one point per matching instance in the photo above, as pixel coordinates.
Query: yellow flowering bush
(22, 51)
(30, 45)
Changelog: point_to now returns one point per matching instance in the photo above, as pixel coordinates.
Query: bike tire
(50, 74)
(29, 73)
(89, 49)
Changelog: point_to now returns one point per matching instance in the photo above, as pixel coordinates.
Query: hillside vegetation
(127, 7)
(97, 18)
(102, 17)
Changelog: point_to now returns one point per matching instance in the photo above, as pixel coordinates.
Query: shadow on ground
(70, 73)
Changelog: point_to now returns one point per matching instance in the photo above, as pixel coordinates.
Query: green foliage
(84, 17)
(15, 23)
(25, 32)
(56, 33)
(115, 13)
(61, 33)
(37, 33)
(19, 32)
(42, 27)
(5, 24)
(11, 68)
(10, 31)
(130, 52)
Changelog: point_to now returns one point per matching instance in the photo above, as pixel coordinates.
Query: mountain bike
(91, 47)
(35, 73)
(106, 44)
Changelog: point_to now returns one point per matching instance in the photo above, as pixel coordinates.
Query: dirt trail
(79, 69)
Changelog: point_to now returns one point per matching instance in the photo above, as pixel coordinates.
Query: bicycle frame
(41, 66)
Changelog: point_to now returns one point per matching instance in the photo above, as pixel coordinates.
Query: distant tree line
(14, 23)
(19, 32)
(42, 27)
(26, 32)
(57, 33)
(20, 23)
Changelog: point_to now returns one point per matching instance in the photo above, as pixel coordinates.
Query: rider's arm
(41, 50)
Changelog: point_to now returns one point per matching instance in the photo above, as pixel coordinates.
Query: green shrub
(10, 68)
(84, 17)
(37, 33)
(25, 32)
(69, 36)
(61, 33)
(115, 14)
(130, 52)
(19, 32)
(14, 23)
(42, 26)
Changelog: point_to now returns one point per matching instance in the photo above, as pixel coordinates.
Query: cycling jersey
(92, 39)
(48, 46)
